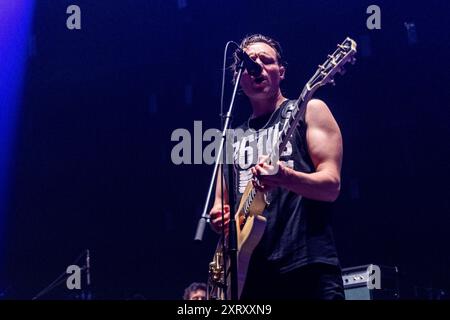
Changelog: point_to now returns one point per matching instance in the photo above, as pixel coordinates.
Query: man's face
(268, 84)
(198, 295)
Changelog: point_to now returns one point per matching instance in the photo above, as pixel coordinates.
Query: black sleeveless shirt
(298, 230)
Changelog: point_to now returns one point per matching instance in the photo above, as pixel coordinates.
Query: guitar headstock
(334, 64)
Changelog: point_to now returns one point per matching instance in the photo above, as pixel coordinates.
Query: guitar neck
(293, 117)
(324, 74)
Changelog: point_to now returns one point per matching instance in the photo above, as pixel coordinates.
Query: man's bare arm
(216, 211)
(325, 149)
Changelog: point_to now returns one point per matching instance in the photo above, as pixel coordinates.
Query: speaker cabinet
(371, 282)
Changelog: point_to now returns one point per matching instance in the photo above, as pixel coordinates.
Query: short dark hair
(192, 288)
(254, 38)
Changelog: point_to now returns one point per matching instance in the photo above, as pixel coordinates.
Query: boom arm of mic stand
(205, 216)
(232, 235)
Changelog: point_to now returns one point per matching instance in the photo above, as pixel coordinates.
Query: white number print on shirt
(252, 146)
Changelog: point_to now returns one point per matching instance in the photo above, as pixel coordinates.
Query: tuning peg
(332, 82)
(342, 71)
(353, 60)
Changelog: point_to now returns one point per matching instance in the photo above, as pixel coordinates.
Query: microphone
(253, 67)
(88, 267)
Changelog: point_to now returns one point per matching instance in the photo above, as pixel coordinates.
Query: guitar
(250, 224)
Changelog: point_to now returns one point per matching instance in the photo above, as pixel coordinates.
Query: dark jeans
(316, 281)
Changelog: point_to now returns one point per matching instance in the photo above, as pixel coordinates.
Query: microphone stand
(232, 234)
(87, 294)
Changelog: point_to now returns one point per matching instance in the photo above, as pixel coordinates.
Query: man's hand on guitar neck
(216, 217)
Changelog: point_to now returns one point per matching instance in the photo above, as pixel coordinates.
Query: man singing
(296, 258)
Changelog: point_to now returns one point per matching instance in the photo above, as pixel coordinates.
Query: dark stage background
(91, 162)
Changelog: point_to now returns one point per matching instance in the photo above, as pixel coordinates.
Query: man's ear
(282, 72)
